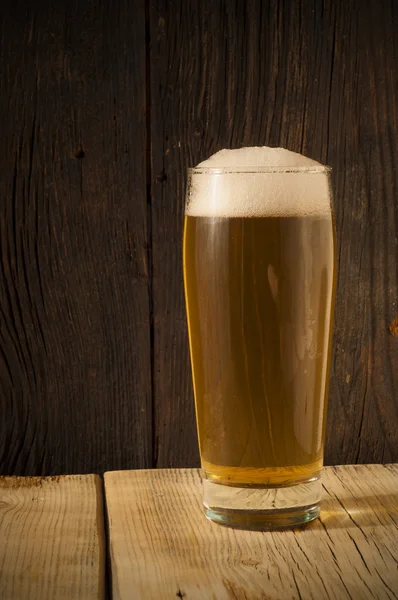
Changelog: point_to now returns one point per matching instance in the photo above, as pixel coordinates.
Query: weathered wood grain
(103, 106)
(52, 538)
(162, 546)
(319, 78)
(75, 367)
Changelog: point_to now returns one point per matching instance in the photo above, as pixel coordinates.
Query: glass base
(262, 508)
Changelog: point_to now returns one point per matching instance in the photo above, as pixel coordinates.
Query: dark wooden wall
(103, 106)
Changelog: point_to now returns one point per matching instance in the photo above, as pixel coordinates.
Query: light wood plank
(51, 538)
(163, 547)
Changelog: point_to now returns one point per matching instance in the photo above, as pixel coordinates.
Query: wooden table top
(52, 541)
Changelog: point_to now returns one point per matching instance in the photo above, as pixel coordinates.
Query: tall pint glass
(259, 264)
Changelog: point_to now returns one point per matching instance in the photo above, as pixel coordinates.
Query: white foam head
(258, 181)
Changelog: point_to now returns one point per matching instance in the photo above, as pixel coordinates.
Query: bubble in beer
(253, 182)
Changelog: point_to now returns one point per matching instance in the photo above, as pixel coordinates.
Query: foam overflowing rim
(254, 170)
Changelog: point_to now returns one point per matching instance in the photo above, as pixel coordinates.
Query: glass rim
(253, 170)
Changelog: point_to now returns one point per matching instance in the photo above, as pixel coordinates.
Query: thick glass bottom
(262, 508)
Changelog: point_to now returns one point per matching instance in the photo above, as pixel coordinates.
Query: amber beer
(259, 293)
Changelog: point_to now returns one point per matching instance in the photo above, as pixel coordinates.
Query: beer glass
(259, 273)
